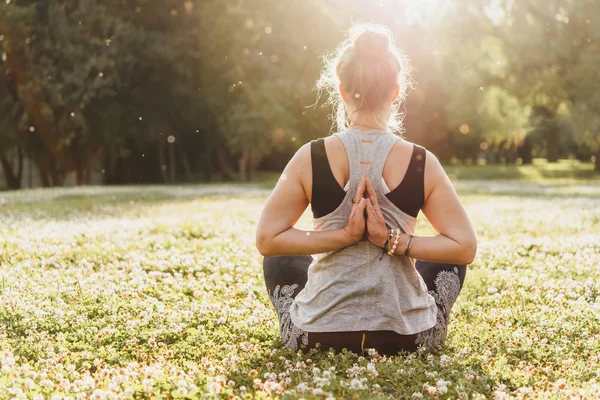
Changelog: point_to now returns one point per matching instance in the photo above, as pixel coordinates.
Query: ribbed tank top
(350, 289)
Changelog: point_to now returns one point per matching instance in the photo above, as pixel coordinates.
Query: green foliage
(105, 84)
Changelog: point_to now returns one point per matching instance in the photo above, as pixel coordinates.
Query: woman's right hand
(355, 229)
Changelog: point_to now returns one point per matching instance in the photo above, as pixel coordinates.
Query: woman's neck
(368, 121)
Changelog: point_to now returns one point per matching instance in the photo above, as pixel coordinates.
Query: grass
(152, 292)
(540, 169)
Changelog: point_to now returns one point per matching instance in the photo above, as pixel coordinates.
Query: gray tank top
(350, 289)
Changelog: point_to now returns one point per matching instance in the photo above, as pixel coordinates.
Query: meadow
(157, 292)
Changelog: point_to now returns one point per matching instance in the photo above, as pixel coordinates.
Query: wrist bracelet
(385, 245)
(393, 249)
(408, 245)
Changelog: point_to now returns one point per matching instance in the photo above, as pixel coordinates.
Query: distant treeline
(193, 90)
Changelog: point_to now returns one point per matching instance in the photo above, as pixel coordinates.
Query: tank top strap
(367, 152)
(380, 150)
(350, 143)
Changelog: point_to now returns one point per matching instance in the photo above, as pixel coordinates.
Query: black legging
(285, 277)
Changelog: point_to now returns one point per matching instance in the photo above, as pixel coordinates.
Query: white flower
(442, 382)
(46, 383)
(357, 384)
(372, 371)
(445, 360)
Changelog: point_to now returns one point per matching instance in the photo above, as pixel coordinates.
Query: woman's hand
(377, 231)
(356, 223)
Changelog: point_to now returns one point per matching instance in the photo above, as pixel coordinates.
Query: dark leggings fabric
(286, 276)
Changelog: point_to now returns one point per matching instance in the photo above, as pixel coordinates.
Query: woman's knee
(286, 270)
(429, 271)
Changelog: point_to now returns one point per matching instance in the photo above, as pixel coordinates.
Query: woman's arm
(275, 234)
(455, 242)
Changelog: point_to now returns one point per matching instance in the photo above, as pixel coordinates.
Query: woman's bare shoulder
(402, 151)
(301, 160)
(435, 174)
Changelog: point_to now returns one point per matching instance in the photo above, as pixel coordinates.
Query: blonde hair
(369, 66)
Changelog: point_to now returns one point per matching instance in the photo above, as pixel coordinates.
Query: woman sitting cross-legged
(366, 185)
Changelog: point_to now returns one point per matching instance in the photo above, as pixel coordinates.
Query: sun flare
(415, 10)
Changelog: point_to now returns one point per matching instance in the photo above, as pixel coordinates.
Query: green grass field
(152, 292)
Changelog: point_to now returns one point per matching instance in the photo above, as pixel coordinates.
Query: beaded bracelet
(389, 236)
(408, 245)
(393, 249)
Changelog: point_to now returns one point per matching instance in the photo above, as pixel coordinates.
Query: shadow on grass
(397, 376)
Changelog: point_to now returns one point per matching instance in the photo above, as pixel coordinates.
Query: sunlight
(418, 11)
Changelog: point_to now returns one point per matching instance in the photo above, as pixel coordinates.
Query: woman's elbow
(469, 251)
(263, 245)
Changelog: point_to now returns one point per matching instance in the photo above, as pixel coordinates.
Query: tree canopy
(163, 91)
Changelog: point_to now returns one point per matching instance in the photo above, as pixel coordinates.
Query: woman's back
(351, 289)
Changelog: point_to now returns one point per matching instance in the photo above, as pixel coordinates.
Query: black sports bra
(327, 194)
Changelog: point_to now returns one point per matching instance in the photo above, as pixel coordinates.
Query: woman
(365, 185)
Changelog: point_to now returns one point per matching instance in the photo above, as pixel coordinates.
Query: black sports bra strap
(417, 166)
(327, 194)
(409, 196)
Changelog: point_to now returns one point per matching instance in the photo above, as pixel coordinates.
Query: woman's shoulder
(418, 149)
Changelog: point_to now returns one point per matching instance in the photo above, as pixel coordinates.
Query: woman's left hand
(377, 231)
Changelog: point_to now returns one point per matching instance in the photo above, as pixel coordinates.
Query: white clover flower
(357, 384)
(445, 360)
(442, 382)
(46, 383)
(302, 387)
(372, 371)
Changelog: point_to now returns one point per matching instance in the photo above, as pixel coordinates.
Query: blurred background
(164, 91)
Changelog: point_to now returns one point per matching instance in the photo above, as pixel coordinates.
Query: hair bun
(370, 43)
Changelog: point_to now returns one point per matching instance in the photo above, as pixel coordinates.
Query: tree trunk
(161, 160)
(79, 174)
(57, 177)
(110, 166)
(243, 162)
(12, 180)
(524, 151)
(30, 171)
(597, 161)
(172, 171)
(45, 126)
(252, 169)
(43, 170)
(20, 167)
(187, 169)
(225, 167)
(552, 145)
